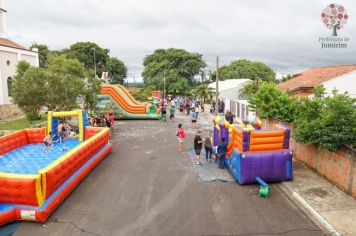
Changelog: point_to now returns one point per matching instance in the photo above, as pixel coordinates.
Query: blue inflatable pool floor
(31, 158)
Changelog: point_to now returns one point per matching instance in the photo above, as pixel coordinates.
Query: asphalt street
(146, 187)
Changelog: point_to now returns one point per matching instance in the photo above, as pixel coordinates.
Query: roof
(229, 84)
(313, 77)
(9, 43)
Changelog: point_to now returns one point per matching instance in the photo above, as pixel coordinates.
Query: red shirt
(181, 133)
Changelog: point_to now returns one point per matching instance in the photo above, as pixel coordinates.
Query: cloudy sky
(284, 34)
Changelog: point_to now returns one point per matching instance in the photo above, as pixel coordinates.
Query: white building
(230, 93)
(343, 83)
(10, 55)
(340, 77)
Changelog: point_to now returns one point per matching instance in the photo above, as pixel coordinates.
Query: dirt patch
(318, 191)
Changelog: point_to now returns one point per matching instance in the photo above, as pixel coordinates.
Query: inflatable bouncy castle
(32, 182)
(124, 106)
(254, 154)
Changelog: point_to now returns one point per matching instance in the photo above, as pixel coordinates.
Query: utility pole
(94, 64)
(164, 85)
(217, 86)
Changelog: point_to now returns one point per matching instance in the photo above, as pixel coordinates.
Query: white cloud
(280, 33)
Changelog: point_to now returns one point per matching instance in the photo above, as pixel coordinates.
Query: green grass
(21, 123)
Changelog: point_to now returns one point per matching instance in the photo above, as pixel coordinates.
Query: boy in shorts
(47, 141)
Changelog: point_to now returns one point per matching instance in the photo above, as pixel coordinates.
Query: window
(243, 110)
(9, 86)
(8, 62)
(238, 114)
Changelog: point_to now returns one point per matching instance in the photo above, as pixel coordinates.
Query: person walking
(181, 136)
(208, 147)
(222, 149)
(198, 145)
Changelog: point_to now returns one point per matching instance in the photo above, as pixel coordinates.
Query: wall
(8, 111)
(344, 83)
(337, 167)
(12, 55)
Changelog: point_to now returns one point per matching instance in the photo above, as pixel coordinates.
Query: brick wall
(337, 167)
(9, 111)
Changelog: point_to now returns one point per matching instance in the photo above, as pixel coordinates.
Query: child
(60, 131)
(198, 145)
(164, 114)
(171, 113)
(112, 119)
(208, 147)
(47, 141)
(194, 117)
(181, 136)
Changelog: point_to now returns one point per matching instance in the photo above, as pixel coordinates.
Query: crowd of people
(105, 120)
(188, 106)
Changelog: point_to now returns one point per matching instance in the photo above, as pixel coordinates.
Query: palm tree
(204, 92)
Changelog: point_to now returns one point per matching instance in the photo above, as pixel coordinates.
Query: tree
(249, 89)
(269, 103)
(203, 91)
(334, 17)
(43, 52)
(84, 52)
(176, 65)
(117, 70)
(27, 89)
(286, 78)
(327, 122)
(245, 69)
(59, 86)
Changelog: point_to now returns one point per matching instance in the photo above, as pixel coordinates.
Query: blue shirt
(222, 148)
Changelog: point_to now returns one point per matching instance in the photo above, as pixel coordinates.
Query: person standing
(171, 113)
(222, 149)
(208, 147)
(164, 114)
(229, 117)
(198, 145)
(181, 136)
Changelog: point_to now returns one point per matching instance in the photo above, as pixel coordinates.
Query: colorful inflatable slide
(118, 99)
(33, 183)
(255, 155)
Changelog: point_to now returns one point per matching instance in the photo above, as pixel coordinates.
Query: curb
(296, 198)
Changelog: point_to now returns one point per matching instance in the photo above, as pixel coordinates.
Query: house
(10, 55)
(341, 78)
(230, 93)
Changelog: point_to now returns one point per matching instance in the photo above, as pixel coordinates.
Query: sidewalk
(327, 205)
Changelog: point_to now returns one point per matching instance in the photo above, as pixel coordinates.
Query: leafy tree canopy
(117, 70)
(59, 86)
(327, 122)
(43, 52)
(178, 65)
(84, 52)
(245, 69)
(269, 102)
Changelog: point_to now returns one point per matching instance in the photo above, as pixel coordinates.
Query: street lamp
(94, 64)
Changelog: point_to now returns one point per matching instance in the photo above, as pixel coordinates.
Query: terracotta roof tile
(313, 77)
(9, 43)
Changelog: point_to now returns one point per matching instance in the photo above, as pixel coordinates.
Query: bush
(326, 122)
(268, 102)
